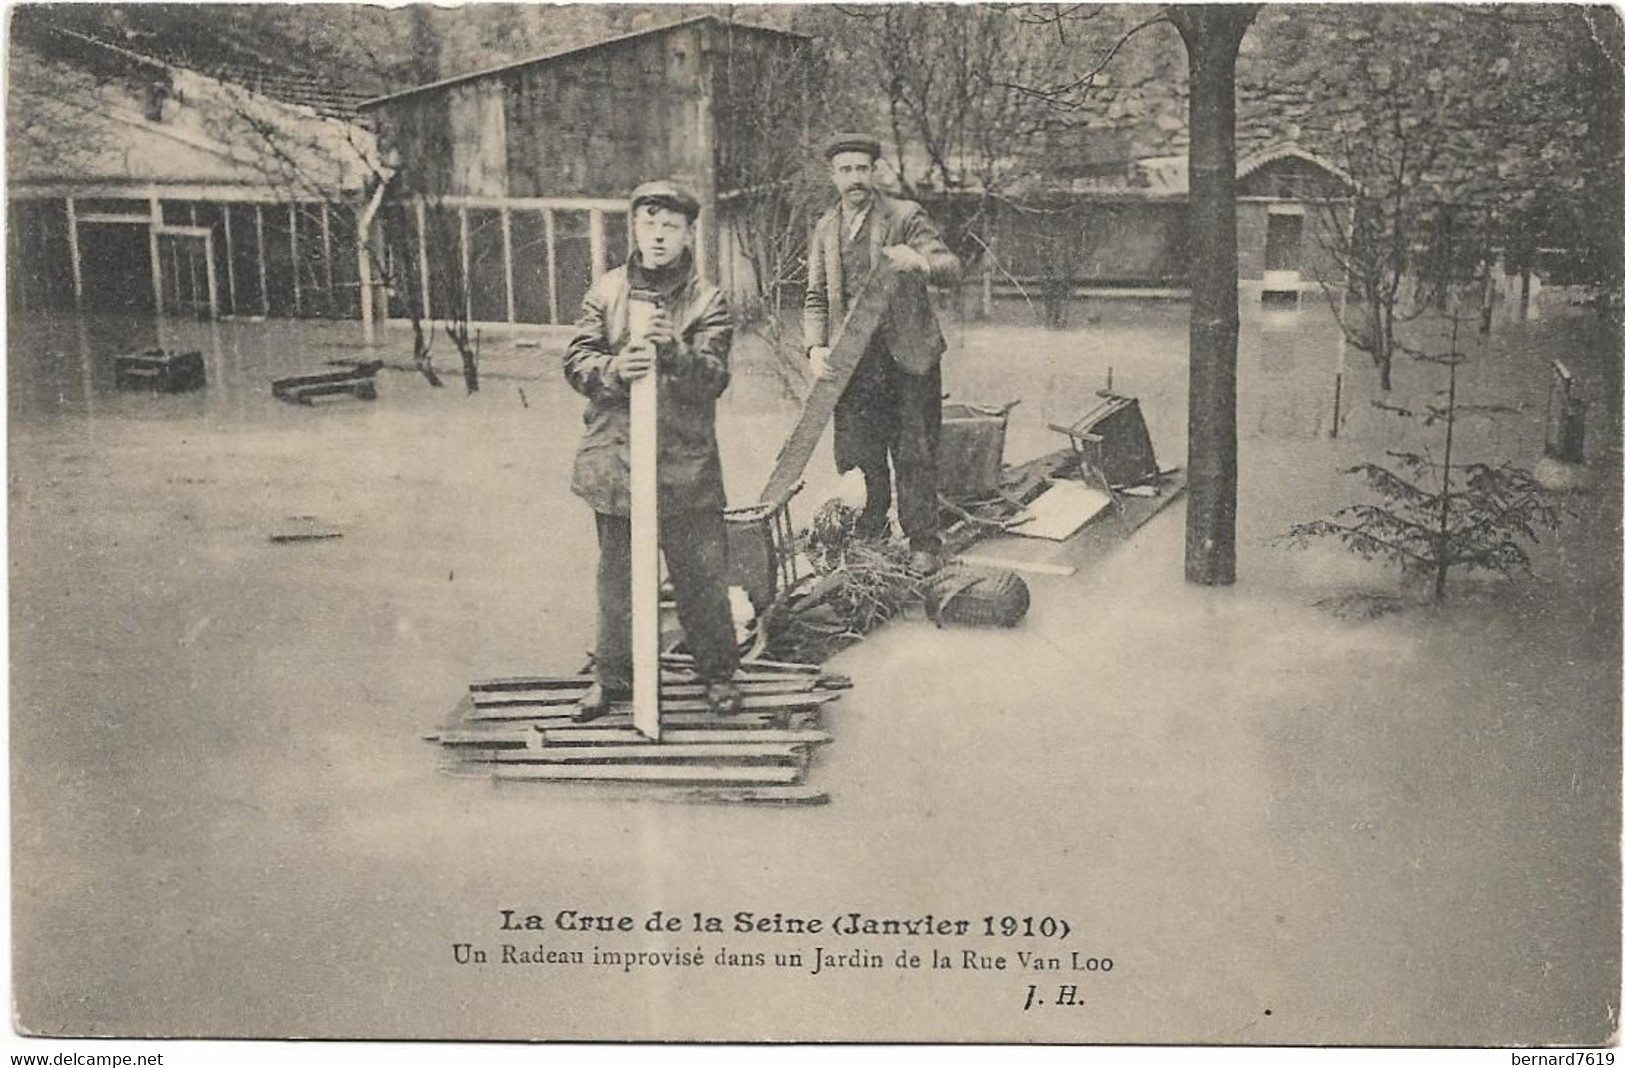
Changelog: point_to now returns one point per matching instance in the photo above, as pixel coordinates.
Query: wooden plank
(547, 718)
(525, 683)
(744, 722)
(749, 668)
(520, 683)
(364, 370)
(850, 342)
(701, 795)
(691, 773)
(753, 703)
(647, 752)
(360, 389)
(507, 739)
(615, 736)
(645, 518)
(668, 692)
(1006, 564)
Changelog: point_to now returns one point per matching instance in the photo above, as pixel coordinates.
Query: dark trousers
(890, 418)
(695, 545)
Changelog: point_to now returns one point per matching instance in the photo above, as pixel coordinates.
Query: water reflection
(61, 368)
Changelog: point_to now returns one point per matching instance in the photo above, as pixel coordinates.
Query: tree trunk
(1605, 192)
(1212, 36)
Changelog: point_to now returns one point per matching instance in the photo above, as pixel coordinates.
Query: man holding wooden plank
(656, 317)
(890, 413)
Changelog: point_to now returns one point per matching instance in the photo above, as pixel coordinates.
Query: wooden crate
(160, 370)
(970, 452)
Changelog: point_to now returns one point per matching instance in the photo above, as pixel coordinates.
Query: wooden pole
(191, 265)
(293, 251)
(507, 260)
(548, 224)
(157, 257)
(259, 253)
(466, 290)
(423, 259)
(231, 256)
(73, 254)
(645, 461)
(595, 240)
(210, 277)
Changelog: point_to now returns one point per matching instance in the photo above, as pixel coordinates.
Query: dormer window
(156, 93)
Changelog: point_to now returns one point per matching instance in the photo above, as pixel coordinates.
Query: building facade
(510, 184)
(137, 185)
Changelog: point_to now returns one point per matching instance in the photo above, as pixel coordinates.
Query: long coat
(690, 380)
(909, 331)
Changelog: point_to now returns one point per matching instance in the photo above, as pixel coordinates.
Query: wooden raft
(521, 731)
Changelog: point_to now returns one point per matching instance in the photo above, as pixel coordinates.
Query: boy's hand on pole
(661, 334)
(633, 362)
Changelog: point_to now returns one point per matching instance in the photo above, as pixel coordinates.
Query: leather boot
(724, 698)
(597, 701)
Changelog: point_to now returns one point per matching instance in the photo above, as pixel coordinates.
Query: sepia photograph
(1023, 524)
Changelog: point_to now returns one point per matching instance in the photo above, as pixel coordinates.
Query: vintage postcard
(1058, 524)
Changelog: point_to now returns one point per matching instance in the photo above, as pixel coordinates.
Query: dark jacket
(690, 379)
(909, 331)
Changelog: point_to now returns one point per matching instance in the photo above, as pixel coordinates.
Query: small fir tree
(1439, 515)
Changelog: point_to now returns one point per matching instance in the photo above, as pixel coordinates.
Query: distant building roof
(578, 49)
(127, 119)
(1171, 175)
(143, 32)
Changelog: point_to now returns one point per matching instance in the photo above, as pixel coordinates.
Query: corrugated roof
(576, 50)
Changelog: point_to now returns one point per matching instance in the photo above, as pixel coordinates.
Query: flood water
(1282, 825)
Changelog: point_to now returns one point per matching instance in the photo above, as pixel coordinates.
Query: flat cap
(666, 194)
(851, 142)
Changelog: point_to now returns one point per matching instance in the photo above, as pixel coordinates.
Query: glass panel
(573, 257)
(41, 266)
(488, 295)
(444, 239)
(313, 292)
(529, 234)
(245, 260)
(346, 297)
(278, 261)
(616, 240)
(1282, 241)
(400, 240)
